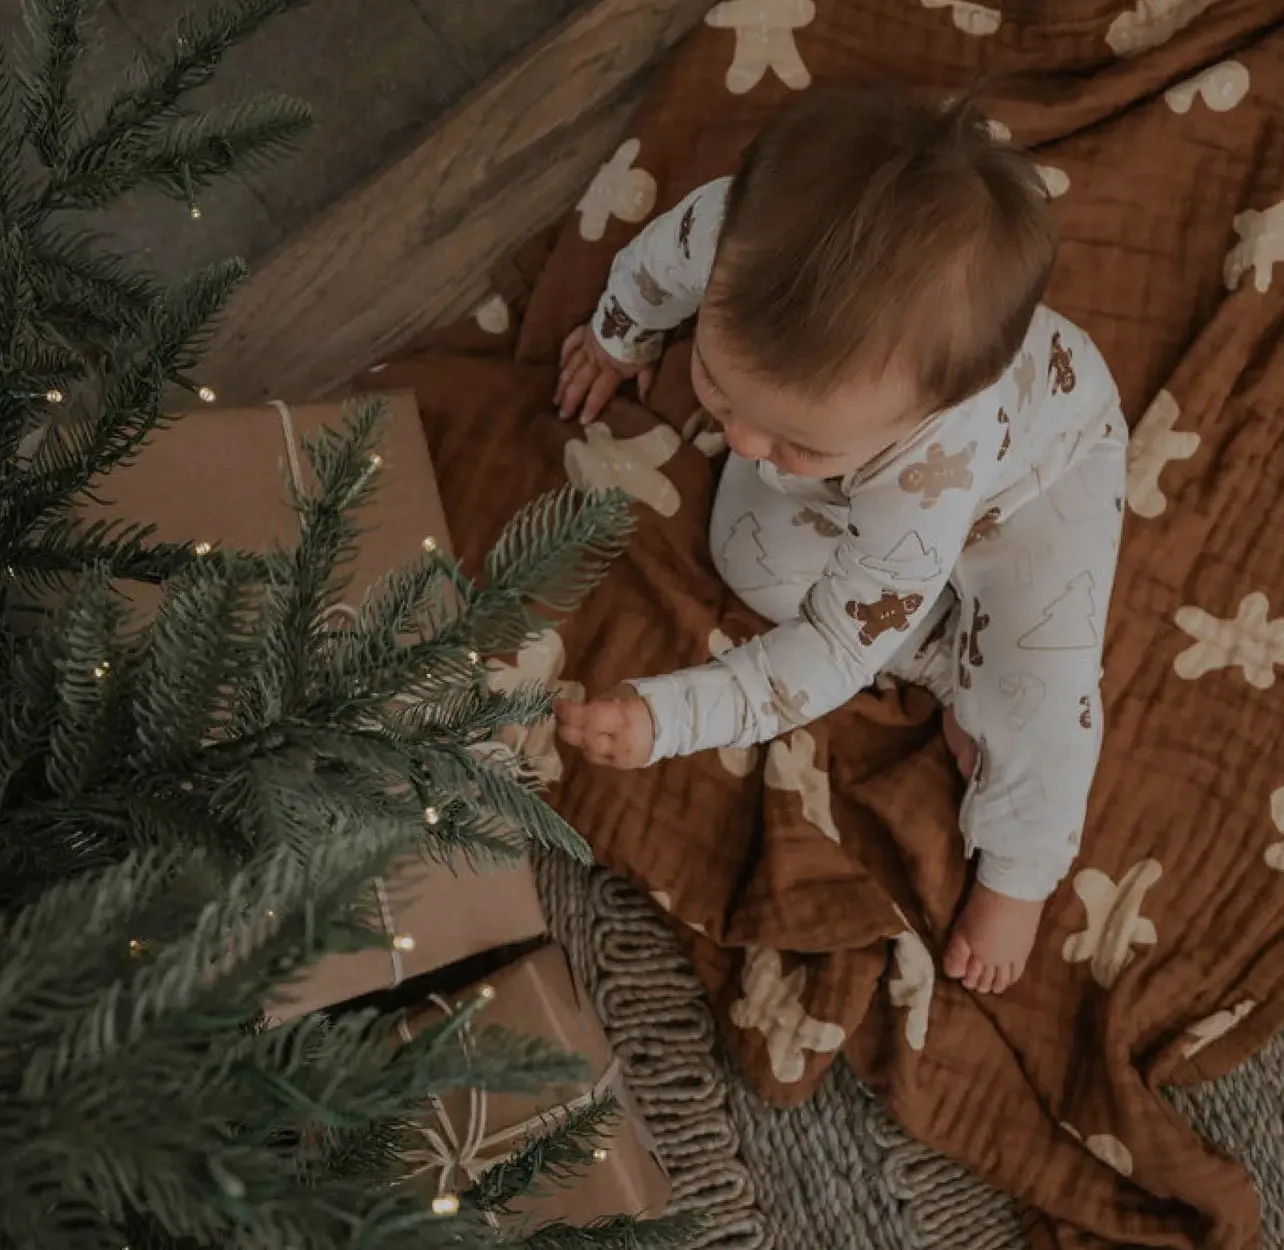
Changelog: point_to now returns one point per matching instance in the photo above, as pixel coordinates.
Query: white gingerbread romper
(976, 559)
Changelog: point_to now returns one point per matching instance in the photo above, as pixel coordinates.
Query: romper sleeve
(906, 528)
(659, 280)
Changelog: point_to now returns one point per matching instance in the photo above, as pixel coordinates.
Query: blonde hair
(869, 229)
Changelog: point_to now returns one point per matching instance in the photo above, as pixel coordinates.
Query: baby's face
(805, 437)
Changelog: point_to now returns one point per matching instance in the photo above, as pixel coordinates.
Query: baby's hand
(615, 729)
(590, 377)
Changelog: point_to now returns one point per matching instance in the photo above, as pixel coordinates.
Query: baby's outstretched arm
(657, 282)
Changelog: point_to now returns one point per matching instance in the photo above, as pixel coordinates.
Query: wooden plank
(413, 246)
(375, 75)
(485, 35)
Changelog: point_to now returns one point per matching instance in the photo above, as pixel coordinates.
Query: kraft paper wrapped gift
(464, 1134)
(219, 476)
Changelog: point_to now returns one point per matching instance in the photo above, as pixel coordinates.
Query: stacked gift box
(220, 477)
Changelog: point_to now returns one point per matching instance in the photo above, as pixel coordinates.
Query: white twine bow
(476, 1152)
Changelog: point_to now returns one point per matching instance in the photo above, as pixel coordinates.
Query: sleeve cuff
(1020, 879)
(623, 339)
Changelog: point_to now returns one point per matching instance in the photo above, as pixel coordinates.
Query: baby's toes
(1004, 975)
(977, 969)
(958, 955)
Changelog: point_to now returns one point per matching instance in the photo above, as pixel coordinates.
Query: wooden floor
(377, 74)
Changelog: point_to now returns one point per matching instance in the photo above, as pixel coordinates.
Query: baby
(926, 473)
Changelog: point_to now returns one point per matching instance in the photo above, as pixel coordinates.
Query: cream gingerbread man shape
(1151, 22)
(911, 985)
(972, 19)
(492, 314)
(1274, 854)
(603, 462)
(1221, 87)
(1261, 244)
(617, 190)
(764, 40)
(540, 660)
(1250, 641)
(1203, 1033)
(1108, 1148)
(1115, 922)
(791, 766)
(1154, 443)
(772, 1004)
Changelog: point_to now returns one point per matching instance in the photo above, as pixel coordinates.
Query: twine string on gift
(470, 1156)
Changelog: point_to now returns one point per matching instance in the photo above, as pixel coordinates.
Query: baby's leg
(1033, 605)
(770, 547)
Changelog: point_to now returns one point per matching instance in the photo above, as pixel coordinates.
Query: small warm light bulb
(431, 815)
(474, 658)
(430, 544)
(53, 396)
(271, 915)
(187, 786)
(403, 942)
(203, 549)
(375, 461)
(206, 394)
(601, 1154)
(101, 670)
(486, 993)
(135, 946)
(445, 1204)
(195, 211)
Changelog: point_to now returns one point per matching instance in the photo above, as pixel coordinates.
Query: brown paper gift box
(219, 476)
(540, 996)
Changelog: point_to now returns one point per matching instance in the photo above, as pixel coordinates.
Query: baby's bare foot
(992, 940)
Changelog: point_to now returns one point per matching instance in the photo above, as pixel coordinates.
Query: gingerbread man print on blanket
(1221, 87)
(791, 766)
(1250, 641)
(764, 40)
(937, 472)
(890, 612)
(603, 462)
(985, 527)
(1108, 1148)
(492, 315)
(1261, 244)
(540, 660)
(912, 982)
(1274, 854)
(1150, 23)
(1154, 443)
(772, 1004)
(1056, 182)
(1203, 1033)
(1115, 922)
(617, 190)
(973, 19)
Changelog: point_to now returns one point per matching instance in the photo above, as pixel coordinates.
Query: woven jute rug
(836, 1172)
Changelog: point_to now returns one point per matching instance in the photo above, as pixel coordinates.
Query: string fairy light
(601, 1154)
(474, 657)
(430, 545)
(135, 947)
(375, 461)
(486, 993)
(203, 548)
(431, 816)
(101, 669)
(403, 942)
(445, 1205)
(206, 394)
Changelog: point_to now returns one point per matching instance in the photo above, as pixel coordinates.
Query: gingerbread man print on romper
(1061, 366)
(1006, 445)
(937, 472)
(970, 655)
(890, 612)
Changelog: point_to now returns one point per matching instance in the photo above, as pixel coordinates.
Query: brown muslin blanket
(814, 880)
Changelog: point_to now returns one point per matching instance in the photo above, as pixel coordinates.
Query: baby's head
(881, 259)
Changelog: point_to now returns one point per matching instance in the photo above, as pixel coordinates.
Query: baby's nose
(746, 442)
